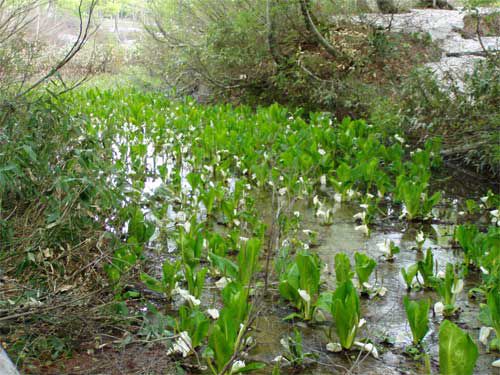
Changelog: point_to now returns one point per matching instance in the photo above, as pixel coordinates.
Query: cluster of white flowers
(182, 345)
(186, 296)
(222, 282)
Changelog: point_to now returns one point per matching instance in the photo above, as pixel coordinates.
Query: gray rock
(6, 365)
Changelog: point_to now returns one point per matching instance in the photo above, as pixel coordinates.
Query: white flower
(382, 291)
(337, 197)
(363, 228)
(279, 358)
(185, 296)
(237, 365)
(282, 191)
(495, 216)
(496, 363)
(321, 151)
(441, 274)
(398, 138)
(296, 213)
(484, 333)
(364, 206)
(213, 313)
(316, 201)
(334, 347)
(484, 199)
(367, 286)
(249, 341)
(304, 295)
(458, 286)
(370, 348)
(187, 226)
(420, 237)
(322, 180)
(438, 308)
(385, 246)
(284, 343)
(484, 270)
(360, 215)
(181, 345)
(361, 323)
(320, 213)
(222, 282)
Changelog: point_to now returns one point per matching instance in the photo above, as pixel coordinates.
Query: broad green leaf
(457, 352)
(417, 313)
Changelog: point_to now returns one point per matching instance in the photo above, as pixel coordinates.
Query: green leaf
(457, 352)
(224, 265)
(343, 271)
(364, 267)
(251, 367)
(409, 274)
(417, 313)
(151, 282)
(346, 311)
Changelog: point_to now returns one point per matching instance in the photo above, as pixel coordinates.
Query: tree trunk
(117, 31)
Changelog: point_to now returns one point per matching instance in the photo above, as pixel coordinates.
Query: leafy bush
(270, 51)
(465, 113)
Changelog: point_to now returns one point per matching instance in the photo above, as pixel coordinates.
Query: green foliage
(409, 274)
(255, 52)
(126, 256)
(300, 284)
(248, 260)
(448, 288)
(294, 350)
(466, 236)
(343, 270)
(414, 195)
(343, 304)
(467, 121)
(227, 333)
(170, 277)
(490, 315)
(457, 351)
(426, 269)
(195, 323)
(417, 313)
(208, 165)
(364, 267)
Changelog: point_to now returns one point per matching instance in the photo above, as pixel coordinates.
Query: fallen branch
(472, 53)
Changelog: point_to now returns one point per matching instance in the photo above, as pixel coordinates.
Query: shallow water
(386, 319)
(385, 316)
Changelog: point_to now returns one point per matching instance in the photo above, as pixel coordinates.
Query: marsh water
(386, 324)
